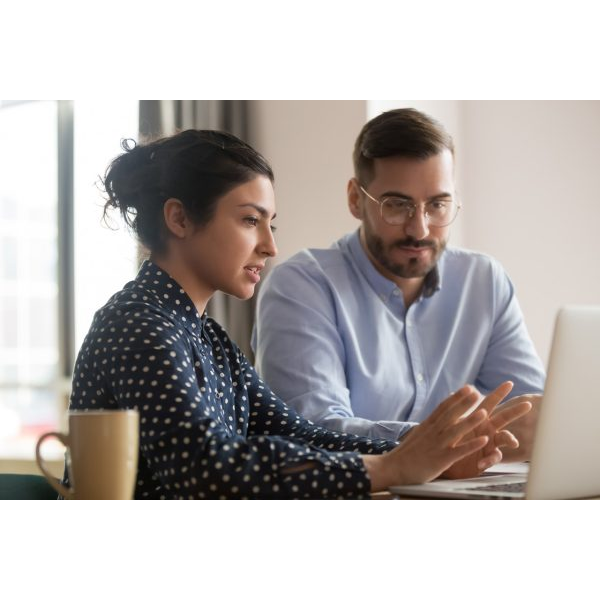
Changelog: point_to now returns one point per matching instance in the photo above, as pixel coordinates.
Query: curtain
(165, 117)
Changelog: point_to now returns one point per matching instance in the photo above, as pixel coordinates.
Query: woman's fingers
(489, 460)
(505, 439)
(494, 398)
(502, 439)
(505, 415)
(447, 428)
(462, 450)
(451, 409)
(453, 434)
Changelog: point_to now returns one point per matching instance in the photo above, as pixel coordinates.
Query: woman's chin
(243, 293)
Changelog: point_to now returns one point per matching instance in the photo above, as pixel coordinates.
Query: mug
(102, 454)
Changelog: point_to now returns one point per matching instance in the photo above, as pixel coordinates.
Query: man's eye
(397, 203)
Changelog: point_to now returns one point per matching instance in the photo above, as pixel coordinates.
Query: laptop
(565, 461)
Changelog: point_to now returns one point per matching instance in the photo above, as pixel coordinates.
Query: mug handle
(61, 489)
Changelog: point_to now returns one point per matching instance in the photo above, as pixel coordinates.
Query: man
(370, 335)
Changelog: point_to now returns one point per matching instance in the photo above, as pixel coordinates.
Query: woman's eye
(251, 221)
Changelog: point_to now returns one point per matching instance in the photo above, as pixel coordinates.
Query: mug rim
(98, 412)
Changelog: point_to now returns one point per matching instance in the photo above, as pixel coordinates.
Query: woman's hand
(450, 442)
(523, 428)
(493, 428)
(433, 446)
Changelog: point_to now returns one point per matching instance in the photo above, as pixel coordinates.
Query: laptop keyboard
(504, 487)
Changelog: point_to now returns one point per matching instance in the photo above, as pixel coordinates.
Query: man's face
(410, 250)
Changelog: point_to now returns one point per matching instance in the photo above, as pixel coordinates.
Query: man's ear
(176, 219)
(354, 199)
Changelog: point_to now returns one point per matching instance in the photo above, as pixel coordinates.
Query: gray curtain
(165, 117)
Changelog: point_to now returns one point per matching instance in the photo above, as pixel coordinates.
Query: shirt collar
(171, 297)
(382, 285)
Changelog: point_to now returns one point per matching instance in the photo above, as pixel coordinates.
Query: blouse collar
(171, 297)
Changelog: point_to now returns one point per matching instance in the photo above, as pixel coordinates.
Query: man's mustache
(413, 243)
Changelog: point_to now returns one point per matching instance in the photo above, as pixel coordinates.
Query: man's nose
(417, 225)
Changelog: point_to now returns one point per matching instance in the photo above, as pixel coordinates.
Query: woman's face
(229, 252)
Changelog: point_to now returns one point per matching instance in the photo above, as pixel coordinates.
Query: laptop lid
(566, 454)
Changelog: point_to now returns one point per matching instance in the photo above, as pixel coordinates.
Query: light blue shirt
(335, 341)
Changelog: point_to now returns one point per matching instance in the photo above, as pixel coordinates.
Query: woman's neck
(186, 278)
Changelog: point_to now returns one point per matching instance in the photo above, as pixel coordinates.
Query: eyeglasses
(439, 212)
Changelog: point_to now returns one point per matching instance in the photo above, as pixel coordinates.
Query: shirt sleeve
(510, 353)
(193, 452)
(300, 352)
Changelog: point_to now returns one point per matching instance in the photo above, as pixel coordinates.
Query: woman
(202, 202)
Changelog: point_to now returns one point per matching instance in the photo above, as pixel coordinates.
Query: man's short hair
(401, 132)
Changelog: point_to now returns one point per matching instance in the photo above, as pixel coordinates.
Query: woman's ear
(354, 200)
(175, 218)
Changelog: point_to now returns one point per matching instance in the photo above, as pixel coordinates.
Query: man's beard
(413, 267)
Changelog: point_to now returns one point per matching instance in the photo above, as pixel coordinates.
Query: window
(58, 262)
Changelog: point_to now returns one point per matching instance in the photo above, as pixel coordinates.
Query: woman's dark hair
(400, 132)
(195, 166)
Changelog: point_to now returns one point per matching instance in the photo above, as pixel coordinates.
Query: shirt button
(396, 292)
(420, 378)
(409, 323)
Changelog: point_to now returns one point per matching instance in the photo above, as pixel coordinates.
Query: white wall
(309, 145)
(532, 201)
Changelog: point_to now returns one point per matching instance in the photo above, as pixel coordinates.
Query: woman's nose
(268, 246)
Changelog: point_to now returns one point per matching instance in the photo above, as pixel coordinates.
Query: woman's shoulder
(132, 321)
(133, 306)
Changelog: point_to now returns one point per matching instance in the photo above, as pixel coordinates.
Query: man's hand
(494, 429)
(523, 428)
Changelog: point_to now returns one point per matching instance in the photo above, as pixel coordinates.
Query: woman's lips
(253, 274)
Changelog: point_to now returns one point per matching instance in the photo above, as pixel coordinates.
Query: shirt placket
(415, 354)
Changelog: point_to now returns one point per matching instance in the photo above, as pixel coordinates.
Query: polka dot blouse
(209, 427)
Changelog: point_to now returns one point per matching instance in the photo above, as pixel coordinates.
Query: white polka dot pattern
(209, 427)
